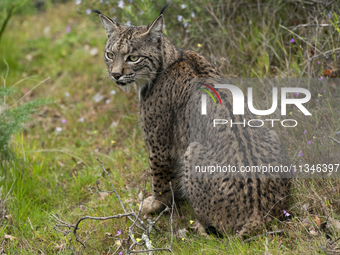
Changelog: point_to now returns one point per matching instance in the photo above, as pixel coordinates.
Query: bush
(13, 119)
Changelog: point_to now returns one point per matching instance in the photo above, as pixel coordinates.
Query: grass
(53, 170)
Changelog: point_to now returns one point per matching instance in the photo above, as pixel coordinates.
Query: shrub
(13, 119)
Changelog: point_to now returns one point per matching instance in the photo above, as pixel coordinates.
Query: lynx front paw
(151, 205)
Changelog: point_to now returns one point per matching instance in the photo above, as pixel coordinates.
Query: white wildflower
(121, 4)
(97, 97)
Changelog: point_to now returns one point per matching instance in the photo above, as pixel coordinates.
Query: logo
(238, 99)
(204, 97)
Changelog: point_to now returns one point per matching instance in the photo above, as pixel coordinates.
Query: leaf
(317, 221)
(312, 50)
(327, 72)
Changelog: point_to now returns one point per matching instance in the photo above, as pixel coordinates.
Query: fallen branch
(132, 216)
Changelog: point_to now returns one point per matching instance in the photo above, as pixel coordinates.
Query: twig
(333, 51)
(114, 190)
(141, 205)
(67, 224)
(30, 91)
(332, 138)
(328, 5)
(9, 15)
(115, 250)
(274, 205)
(302, 39)
(214, 16)
(96, 218)
(72, 228)
(311, 25)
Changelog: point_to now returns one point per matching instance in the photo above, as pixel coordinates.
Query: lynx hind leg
(226, 204)
(254, 225)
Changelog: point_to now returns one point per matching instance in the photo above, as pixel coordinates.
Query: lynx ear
(110, 26)
(155, 29)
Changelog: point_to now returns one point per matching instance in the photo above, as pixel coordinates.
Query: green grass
(52, 171)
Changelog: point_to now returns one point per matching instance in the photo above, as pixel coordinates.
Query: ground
(93, 118)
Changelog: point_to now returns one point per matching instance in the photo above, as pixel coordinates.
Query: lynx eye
(133, 58)
(110, 55)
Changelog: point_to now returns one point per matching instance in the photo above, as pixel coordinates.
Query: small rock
(29, 57)
(87, 47)
(313, 232)
(181, 233)
(103, 195)
(130, 200)
(114, 124)
(59, 247)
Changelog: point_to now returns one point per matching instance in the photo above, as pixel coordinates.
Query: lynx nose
(117, 75)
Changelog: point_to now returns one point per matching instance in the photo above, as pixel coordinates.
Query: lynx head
(133, 54)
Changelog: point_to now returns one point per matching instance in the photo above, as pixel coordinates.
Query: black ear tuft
(156, 27)
(96, 11)
(99, 12)
(163, 9)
